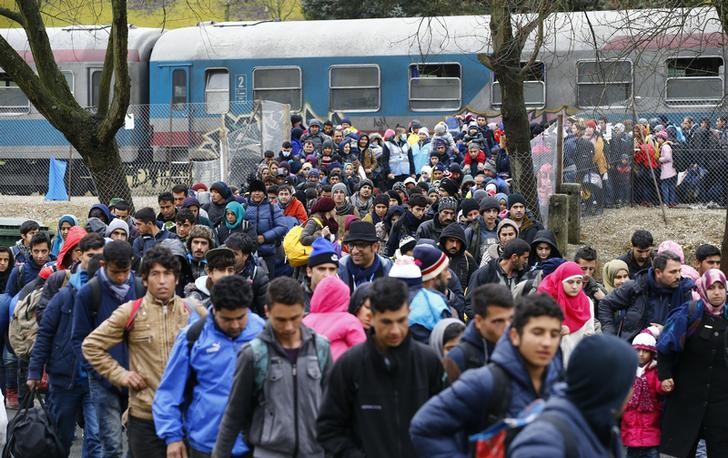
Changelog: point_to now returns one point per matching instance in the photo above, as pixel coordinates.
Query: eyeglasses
(358, 245)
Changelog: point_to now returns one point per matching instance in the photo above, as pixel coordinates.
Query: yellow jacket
(149, 341)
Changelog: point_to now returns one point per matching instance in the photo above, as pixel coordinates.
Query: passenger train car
(380, 72)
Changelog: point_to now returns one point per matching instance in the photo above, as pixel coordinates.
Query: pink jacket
(667, 168)
(641, 419)
(330, 317)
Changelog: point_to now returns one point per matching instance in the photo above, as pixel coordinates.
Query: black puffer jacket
(462, 263)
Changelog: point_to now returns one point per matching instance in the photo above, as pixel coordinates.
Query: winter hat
(200, 231)
(256, 185)
(491, 190)
(215, 253)
(323, 253)
(468, 205)
(440, 128)
(455, 168)
(392, 194)
(114, 202)
(468, 179)
(323, 205)
(382, 199)
(447, 203)
(406, 243)
(366, 182)
(424, 130)
(117, 224)
(199, 187)
(348, 220)
(647, 339)
(405, 269)
(450, 186)
(431, 261)
(489, 203)
(410, 180)
(426, 169)
(507, 222)
(479, 195)
(516, 198)
(339, 187)
(314, 173)
(489, 166)
(222, 188)
(190, 202)
(662, 134)
(345, 121)
(669, 245)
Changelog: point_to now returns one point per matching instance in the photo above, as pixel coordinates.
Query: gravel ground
(608, 233)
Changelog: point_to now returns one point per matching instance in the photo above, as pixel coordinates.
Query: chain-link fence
(160, 146)
(672, 159)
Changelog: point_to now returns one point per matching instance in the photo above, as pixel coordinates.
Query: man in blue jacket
(191, 398)
(585, 415)
(150, 232)
(22, 274)
(269, 222)
(116, 285)
(524, 359)
(68, 392)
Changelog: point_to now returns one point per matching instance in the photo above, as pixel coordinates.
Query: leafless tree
(92, 134)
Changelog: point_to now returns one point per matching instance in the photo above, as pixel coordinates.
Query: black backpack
(32, 433)
(95, 286)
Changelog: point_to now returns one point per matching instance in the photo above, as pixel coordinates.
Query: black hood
(544, 235)
(453, 231)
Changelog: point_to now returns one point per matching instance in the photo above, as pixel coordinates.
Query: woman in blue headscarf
(234, 221)
(64, 225)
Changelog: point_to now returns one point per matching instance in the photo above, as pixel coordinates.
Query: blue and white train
(377, 72)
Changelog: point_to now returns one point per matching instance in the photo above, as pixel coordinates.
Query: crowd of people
(347, 301)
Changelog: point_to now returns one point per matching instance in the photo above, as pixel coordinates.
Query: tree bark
(92, 135)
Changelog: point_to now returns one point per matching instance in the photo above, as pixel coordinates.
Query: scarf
(363, 206)
(641, 399)
(345, 209)
(704, 283)
(119, 291)
(235, 208)
(675, 294)
(359, 275)
(577, 309)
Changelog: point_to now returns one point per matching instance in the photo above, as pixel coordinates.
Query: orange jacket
(296, 209)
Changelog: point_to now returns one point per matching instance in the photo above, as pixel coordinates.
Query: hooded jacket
(267, 219)
(372, 397)
(279, 422)
(104, 209)
(330, 316)
(463, 357)
(462, 263)
(295, 209)
(544, 236)
(407, 224)
(431, 229)
(459, 408)
(212, 361)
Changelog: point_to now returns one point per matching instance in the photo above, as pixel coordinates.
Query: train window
(179, 89)
(534, 87)
(354, 88)
(70, 80)
(279, 84)
(435, 87)
(694, 81)
(94, 87)
(12, 99)
(606, 83)
(217, 91)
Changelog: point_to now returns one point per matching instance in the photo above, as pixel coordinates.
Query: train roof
(84, 43)
(424, 36)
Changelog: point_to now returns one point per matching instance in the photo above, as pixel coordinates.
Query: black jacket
(406, 225)
(371, 399)
(462, 263)
(630, 308)
(634, 268)
(492, 272)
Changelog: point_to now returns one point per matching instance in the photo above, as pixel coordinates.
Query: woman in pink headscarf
(566, 286)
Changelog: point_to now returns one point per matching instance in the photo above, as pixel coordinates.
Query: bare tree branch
(114, 118)
(12, 15)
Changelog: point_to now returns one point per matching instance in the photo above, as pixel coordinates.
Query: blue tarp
(56, 186)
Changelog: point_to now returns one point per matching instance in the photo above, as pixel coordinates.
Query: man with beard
(407, 224)
(363, 263)
(220, 196)
(199, 242)
(362, 200)
(268, 220)
(452, 242)
(482, 233)
(446, 209)
(639, 257)
(314, 135)
(527, 227)
(344, 208)
(506, 270)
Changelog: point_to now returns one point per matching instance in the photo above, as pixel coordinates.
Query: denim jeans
(668, 189)
(143, 439)
(109, 404)
(68, 405)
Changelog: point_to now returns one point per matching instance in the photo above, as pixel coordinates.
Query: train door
(179, 118)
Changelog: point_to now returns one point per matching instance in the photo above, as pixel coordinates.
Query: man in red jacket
(290, 205)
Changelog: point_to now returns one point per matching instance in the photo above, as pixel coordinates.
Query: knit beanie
(432, 261)
(468, 205)
(323, 205)
(115, 224)
(647, 339)
(447, 203)
(489, 203)
(323, 253)
(382, 199)
(190, 202)
(515, 198)
(222, 188)
(339, 187)
(405, 269)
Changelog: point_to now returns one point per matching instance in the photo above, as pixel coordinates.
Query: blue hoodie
(104, 209)
(460, 408)
(212, 357)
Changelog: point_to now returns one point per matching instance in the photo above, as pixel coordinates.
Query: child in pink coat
(330, 316)
(641, 418)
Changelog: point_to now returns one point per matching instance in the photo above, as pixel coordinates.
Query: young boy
(641, 419)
